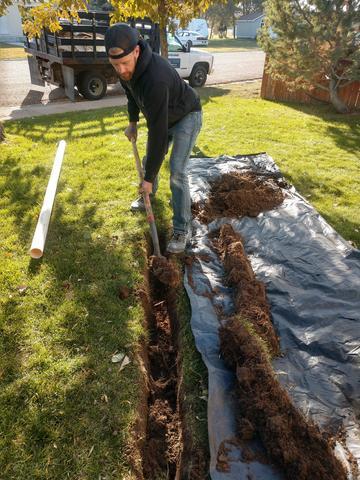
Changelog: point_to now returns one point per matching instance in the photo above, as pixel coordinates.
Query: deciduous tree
(250, 6)
(161, 11)
(221, 13)
(47, 13)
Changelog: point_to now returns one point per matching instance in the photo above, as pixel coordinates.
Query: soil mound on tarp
(292, 443)
(249, 294)
(240, 194)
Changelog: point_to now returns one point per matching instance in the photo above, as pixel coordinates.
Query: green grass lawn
(220, 45)
(67, 410)
(11, 52)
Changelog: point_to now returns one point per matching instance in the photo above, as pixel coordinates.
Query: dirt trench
(164, 442)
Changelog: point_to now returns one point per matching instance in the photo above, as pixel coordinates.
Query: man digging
(173, 114)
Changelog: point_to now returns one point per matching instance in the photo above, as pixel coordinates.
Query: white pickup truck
(76, 57)
(192, 64)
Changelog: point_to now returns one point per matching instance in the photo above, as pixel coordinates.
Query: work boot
(178, 242)
(138, 205)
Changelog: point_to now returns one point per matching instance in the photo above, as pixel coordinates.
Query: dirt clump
(123, 292)
(249, 294)
(166, 271)
(222, 458)
(292, 443)
(240, 194)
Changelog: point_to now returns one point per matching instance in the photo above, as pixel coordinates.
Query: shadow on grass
(92, 124)
(22, 195)
(68, 406)
(206, 93)
(310, 186)
(310, 189)
(68, 127)
(344, 129)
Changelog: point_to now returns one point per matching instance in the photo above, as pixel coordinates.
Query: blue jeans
(183, 137)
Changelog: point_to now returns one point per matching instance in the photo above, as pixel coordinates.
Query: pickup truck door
(179, 58)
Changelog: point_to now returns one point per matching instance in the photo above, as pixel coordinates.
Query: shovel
(148, 208)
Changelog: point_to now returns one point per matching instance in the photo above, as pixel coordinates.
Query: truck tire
(92, 85)
(198, 76)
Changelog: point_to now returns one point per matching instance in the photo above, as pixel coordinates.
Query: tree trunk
(339, 105)
(2, 133)
(163, 25)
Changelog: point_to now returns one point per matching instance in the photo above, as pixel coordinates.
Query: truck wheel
(92, 85)
(198, 76)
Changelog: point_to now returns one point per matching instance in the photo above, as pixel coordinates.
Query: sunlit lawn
(67, 410)
(12, 52)
(221, 45)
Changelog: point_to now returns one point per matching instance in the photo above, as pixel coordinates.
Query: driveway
(16, 89)
(237, 66)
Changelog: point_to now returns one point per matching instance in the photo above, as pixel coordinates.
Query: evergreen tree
(313, 43)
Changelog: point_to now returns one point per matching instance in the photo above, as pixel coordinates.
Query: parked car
(198, 25)
(191, 38)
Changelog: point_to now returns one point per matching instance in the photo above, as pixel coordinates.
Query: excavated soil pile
(265, 411)
(167, 272)
(163, 445)
(292, 443)
(240, 194)
(249, 294)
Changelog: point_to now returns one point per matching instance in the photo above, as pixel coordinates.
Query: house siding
(10, 26)
(248, 28)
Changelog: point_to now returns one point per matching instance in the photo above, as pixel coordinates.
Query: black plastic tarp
(312, 279)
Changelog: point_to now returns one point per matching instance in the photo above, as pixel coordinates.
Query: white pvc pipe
(38, 243)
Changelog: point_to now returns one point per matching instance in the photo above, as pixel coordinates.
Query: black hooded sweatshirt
(164, 98)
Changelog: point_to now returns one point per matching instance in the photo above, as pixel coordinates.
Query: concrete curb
(26, 111)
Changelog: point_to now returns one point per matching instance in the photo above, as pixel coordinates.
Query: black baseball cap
(121, 35)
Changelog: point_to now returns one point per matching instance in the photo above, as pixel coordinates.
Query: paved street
(17, 93)
(237, 66)
(16, 89)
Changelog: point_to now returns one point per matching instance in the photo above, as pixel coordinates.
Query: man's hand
(131, 131)
(145, 187)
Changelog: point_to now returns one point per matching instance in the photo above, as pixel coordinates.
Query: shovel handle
(146, 197)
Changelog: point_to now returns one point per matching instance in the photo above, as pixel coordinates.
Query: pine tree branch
(322, 87)
(343, 79)
(348, 82)
(302, 12)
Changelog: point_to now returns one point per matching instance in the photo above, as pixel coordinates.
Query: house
(248, 25)
(10, 26)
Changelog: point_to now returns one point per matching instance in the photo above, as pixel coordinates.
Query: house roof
(251, 16)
